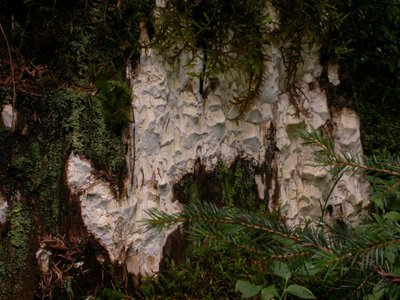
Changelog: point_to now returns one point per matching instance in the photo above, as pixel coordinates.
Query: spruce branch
(327, 156)
(383, 170)
(230, 226)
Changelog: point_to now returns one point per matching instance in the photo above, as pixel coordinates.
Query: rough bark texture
(174, 126)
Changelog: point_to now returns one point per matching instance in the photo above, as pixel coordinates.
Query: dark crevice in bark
(338, 96)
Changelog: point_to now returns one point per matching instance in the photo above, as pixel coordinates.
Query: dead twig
(14, 96)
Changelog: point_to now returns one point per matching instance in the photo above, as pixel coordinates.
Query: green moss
(21, 164)
(66, 121)
(19, 235)
(88, 133)
(15, 254)
(77, 124)
(48, 182)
